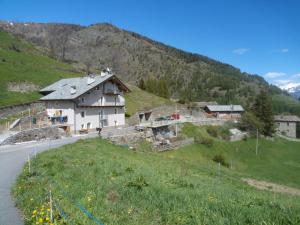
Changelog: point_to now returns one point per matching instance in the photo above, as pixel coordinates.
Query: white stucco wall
(97, 98)
(66, 107)
(93, 103)
(92, 116)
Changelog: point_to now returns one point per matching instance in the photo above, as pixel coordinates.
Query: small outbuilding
(287, 125)
(225, 111)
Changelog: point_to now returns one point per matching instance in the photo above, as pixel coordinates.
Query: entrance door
(88, 125)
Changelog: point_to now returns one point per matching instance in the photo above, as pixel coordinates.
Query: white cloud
(287, 85)
(274, 74)
(296, 75)
(240, 51)
(284, 50)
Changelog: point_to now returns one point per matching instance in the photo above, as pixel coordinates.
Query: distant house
(225, 111)
(196, 108)
(85, 103)
(287, 125)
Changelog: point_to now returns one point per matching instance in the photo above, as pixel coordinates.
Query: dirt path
(263, 185)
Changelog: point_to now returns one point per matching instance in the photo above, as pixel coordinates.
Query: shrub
(225, 133)
(220, 159)
(213, 131)
(204, 141)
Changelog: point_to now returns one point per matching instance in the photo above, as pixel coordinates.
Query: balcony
(58, 120)
(112, 103)
(109, 91)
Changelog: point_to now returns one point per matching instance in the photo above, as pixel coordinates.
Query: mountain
(133, 57)
(292, 88)
(24, 69)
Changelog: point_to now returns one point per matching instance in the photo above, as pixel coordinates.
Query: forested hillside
(134, 57)
(155, 67)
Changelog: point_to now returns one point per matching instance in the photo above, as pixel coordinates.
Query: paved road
(12, 159)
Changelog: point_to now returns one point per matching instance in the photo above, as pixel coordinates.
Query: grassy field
(98, 180)
(138, 99)
(277, 161)
(22, 62)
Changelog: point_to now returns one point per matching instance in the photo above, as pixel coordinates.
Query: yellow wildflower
(41, 220)
(48, 210)
(130, 210)
(47, 219)
(37, 223)
(34, 211)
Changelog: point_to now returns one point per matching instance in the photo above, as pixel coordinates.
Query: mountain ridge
(189, 76)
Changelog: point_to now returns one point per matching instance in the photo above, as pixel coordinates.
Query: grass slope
(138, 99)
(22, 62)
(277, 161)
(120, 186)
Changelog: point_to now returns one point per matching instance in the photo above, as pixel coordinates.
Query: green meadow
(96, 182)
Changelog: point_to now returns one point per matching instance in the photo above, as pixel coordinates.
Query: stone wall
(13, 109)
(287, 129)
(35, 135)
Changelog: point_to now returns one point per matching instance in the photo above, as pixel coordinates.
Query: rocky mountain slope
(132, 56)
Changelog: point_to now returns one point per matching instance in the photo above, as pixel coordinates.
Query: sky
(258, 36)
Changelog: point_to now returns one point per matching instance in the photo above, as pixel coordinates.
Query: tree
(249, 122)
(262, 109)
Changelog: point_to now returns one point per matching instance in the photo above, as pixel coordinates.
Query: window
(98, 88)
(82, 114)
(116, 111)
(82, 126)
(82, 100)
(287, 123)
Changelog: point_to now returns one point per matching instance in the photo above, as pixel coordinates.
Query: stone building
(287, 125)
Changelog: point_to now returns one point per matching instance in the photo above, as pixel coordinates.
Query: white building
(85, 103)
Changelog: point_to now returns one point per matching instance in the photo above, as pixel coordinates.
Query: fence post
(28, 159)
(51, 210)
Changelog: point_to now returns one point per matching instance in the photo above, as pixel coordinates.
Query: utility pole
(256, 148)
(176, 125)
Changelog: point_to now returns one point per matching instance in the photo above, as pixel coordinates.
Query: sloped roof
(290, 118)
(225, 108)
(62, 89)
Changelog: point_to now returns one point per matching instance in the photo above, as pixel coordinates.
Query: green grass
(138, 99)
(22, 62)
(277, 161)
(120, 186)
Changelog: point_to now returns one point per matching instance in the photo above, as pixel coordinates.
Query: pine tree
(262, 109)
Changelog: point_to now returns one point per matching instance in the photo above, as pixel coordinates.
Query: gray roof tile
(225, 108)
(289, 118)
(62, 89)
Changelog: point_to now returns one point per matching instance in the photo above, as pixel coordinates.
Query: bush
(204, 141)
(213, 131)
(225, 133)
(220, 159)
